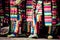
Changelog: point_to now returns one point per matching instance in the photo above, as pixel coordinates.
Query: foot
(50, 37)
(33, 35)
(12, 35)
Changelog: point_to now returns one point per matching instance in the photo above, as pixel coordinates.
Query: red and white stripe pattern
(29, 18)
(54, 12)
(47, 11)
(48, 19)
(29, 12)
(13, 11)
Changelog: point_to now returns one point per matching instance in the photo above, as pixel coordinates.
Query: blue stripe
(32, 30)
(18, 17)
(35, 20)
(14, 26)
(13, 17)
(28, 5)
(48, 22)
(47, 11)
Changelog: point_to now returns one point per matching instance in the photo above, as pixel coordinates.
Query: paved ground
(6, 38)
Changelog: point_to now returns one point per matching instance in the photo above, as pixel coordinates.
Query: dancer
(13, 17)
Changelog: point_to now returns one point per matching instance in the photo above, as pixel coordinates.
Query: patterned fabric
(54, 12)
(4, 17)
(47, 14)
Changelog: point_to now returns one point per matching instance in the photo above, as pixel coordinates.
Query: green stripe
(29, 6)
(47, 14)
(48, 24)
(53, 17)
(54, 6)
(7, 14)
(1, 16)
(39, 13)
(48, 4)
(39, 2)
